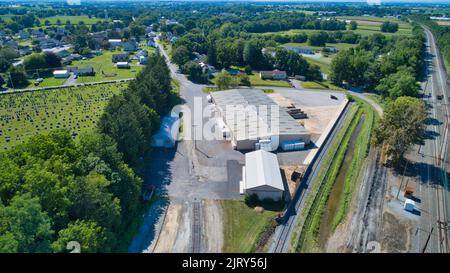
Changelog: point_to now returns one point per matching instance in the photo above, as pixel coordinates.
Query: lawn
(243, 226)
(255, 80)
(105, 69)
(48, 81)
(76, 109)
(321, 85)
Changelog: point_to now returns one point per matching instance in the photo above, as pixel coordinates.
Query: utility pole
(428, 239)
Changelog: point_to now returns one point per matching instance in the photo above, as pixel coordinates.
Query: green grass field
(327, 85)
(243, 225)
(73, 19)
(339, 46)
(78, 109)
(48, 81)
(105, 69)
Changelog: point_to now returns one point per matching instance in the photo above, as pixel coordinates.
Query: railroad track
(440, 145)
(196, 227)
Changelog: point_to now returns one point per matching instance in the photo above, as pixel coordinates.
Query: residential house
(142, 53)
(24, 34)
(273, 75)
(331, 49)
(62, 31)
(173, 39)
(120, 58)
(99, 38)
(206, 68)
(86, 71)
(37, 34)
(151, 42)
(49, 43)
(113, 43)
(143, 59)
(169, 35)
(75, 56)
(10, 42)
(130, 46)
(25, 51)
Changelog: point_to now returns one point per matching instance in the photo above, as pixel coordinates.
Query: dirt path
(169, 230)
(212, 226)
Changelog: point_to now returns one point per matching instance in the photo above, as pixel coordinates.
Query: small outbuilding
(61, 74)
(261, 176)
(123, 65)
(167, 135)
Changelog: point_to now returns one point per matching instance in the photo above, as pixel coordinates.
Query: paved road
(283, 234)
(431, 157)
(71, 81)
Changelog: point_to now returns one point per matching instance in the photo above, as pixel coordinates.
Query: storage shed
(261, 176)
(61, 74)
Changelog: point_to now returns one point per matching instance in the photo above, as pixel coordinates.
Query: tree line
(390, 67)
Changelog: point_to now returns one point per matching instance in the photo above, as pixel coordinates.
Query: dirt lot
(288, 170)
(318, 118)
(395, 234)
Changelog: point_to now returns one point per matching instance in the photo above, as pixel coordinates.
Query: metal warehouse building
(261, 176)
(248, 129)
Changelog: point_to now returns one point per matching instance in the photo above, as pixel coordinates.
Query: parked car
(148, 192)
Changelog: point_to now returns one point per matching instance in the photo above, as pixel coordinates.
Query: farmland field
(53, 19)
(78, 109)
(366, 27)
(339, 46)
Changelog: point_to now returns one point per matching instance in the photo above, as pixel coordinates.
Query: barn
(261, 176)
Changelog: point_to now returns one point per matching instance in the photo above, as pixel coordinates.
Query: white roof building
(261, 176)
(122, 64)
(251, 116)
(60, 73)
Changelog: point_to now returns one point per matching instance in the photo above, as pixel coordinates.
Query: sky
(368, 1)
